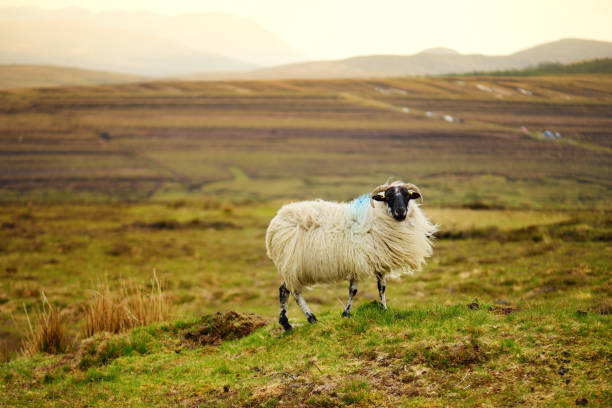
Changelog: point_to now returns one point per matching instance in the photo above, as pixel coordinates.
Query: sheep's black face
(397, 199)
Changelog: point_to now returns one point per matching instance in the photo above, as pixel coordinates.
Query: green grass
(423, 356)
(429, 349)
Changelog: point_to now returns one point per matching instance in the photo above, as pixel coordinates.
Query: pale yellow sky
(325, 29)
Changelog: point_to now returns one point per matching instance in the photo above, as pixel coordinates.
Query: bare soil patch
(503, 310)
(225, 326)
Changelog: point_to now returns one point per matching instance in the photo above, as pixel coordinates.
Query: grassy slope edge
(424, 356)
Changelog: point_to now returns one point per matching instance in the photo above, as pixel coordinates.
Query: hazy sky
(326, 29)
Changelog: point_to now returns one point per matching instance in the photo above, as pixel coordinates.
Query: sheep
(382, 234)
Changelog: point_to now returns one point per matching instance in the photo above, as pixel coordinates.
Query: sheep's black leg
(382, 285)
(304, 306)
(284, 303)
(349, 303)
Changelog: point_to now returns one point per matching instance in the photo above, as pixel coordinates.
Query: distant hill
(596, 66)
(90, 46)
(565, 51)
(440, 51)
(141, 43)
(434, 61)
(28, 76)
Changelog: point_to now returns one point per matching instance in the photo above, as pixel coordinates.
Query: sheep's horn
(413, 187)
(377, 190)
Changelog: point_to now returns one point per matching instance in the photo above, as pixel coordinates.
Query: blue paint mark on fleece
(359, 207)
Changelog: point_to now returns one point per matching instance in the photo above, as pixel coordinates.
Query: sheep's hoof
(346, 313)
(285, 323)
(311, 318)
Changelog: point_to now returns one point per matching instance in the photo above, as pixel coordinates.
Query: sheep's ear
(379, 197)
(413, 194)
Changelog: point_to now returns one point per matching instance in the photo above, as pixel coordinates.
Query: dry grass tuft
(48, 335)
(126, 307)
(5, 353)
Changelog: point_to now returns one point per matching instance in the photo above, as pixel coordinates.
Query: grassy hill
(30, 76)
(514, 308)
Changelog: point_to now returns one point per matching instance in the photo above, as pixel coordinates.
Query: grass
(48, 334)
(540, 278)
(125, 308)
(424, 356)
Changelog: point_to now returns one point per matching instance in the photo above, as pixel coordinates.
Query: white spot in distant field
(388, 91)
(406, 110)
(484, 88)
(525, 91)
(558, 135)
(429, 114)
(381, 90)
(449, 118)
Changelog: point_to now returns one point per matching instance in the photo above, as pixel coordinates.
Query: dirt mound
(225, 326)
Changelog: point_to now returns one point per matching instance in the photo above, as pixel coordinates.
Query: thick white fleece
(320, 241)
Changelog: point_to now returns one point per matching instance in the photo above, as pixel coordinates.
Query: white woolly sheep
(380, 234)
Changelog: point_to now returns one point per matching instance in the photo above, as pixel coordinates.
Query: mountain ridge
(428, 63)
(98, 47)
(445, 61)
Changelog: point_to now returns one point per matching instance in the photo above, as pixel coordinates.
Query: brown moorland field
(242, 141)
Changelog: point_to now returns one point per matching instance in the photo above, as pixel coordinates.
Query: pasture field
(112, 184)
(266, 140)
(541, 280)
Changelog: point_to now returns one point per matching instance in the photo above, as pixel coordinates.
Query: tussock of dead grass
(128, 306)
(5, 354)
(48, 334)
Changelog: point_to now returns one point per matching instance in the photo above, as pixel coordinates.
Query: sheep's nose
(400, 215)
